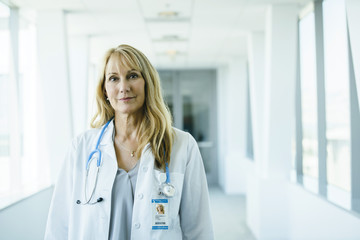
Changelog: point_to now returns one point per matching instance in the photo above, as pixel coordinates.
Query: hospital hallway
(266, 92)
(227, 224)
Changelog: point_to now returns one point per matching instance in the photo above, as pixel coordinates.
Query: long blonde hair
(156, 126)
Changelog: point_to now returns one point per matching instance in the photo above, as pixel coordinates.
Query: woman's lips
(126, 98)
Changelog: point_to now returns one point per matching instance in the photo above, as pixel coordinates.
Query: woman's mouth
(126, 99)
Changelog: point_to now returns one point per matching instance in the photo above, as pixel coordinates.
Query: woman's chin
(127, 111)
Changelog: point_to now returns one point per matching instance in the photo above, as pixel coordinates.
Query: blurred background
(268, 88)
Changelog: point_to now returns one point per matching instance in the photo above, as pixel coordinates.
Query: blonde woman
(132, 160)
(160, 209)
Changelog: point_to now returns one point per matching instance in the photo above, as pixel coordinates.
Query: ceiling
(172, 33)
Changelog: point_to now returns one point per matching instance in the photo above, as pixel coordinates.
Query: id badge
(160, 208)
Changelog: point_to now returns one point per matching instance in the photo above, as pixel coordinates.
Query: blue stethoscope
(165, 188)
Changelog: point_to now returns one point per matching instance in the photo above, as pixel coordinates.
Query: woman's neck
(126, 126)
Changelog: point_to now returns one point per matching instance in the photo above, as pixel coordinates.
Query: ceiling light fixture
(170, 37)
(171, 52)
(168, 14)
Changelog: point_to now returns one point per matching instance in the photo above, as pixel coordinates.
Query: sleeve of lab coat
(58, 217)
(195, 217)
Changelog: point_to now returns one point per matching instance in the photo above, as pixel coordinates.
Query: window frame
(339, 197)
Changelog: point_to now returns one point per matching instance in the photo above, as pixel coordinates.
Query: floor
(229, 216)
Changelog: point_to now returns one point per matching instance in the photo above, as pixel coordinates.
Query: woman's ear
(106, 97)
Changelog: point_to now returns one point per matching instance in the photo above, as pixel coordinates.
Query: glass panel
(308, 95)
(337, 93)
(28, 104)
(190, 95)
(4, 100)
(196, 96)
(196, 93)
(167, 85)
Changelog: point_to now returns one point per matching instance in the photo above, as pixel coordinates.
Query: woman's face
(124, 87)
(160, 209)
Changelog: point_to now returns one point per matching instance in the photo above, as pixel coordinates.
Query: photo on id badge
(160, 209)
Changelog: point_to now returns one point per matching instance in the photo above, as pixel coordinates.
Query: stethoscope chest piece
(167, 189)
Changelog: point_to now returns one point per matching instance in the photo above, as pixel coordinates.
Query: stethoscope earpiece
(100, 199)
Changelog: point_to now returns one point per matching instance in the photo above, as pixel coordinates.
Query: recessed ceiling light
(171, 52)
(168, 14)
(170, 37)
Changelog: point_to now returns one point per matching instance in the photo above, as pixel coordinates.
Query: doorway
(191, 97)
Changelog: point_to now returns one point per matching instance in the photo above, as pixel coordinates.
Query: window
(4, 100)
(28, 104)
(328, 133)
(308, 94)
(20, 173)
(337, 93)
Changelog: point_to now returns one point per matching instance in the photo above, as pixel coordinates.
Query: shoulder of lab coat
(59, 211)
(195, 217)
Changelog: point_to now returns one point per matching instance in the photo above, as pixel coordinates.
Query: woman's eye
(111, 79)
(133, 76)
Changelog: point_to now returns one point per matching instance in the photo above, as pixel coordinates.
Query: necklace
(132, 152)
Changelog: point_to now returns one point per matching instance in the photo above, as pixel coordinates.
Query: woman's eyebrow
(111, 73)
(132, 70)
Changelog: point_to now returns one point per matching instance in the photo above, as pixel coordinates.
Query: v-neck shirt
(122, 201)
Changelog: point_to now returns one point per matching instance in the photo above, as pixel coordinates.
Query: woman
(160, 209)
(116, 174)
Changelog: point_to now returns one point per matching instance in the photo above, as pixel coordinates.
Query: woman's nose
(124, 86)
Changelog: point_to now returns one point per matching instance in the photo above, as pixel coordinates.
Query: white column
(353, 17)
(256, 55)
(54, 91)
(280, 75)
(221, 88)
(274, 119)
(79, 79)
(234, 110)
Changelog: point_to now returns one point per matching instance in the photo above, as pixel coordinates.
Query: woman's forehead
(118, 63)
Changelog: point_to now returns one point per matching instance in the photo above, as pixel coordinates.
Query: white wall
(56, 129)
(267, 192)
(315, 218)
(79, 79)
(26, 219)
(231, 122)
(256, 53)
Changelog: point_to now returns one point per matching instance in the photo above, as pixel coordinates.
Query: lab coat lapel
(107, 146)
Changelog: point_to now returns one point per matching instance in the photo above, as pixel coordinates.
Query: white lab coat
(189, 210)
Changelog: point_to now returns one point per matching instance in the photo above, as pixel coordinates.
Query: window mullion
(298, 118)
(14, 109)
(320, 76)
(355, 134)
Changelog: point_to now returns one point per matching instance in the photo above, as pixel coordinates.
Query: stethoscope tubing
(98, 163)
(97, 147)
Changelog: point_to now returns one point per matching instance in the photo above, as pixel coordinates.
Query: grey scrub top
(122, 201)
